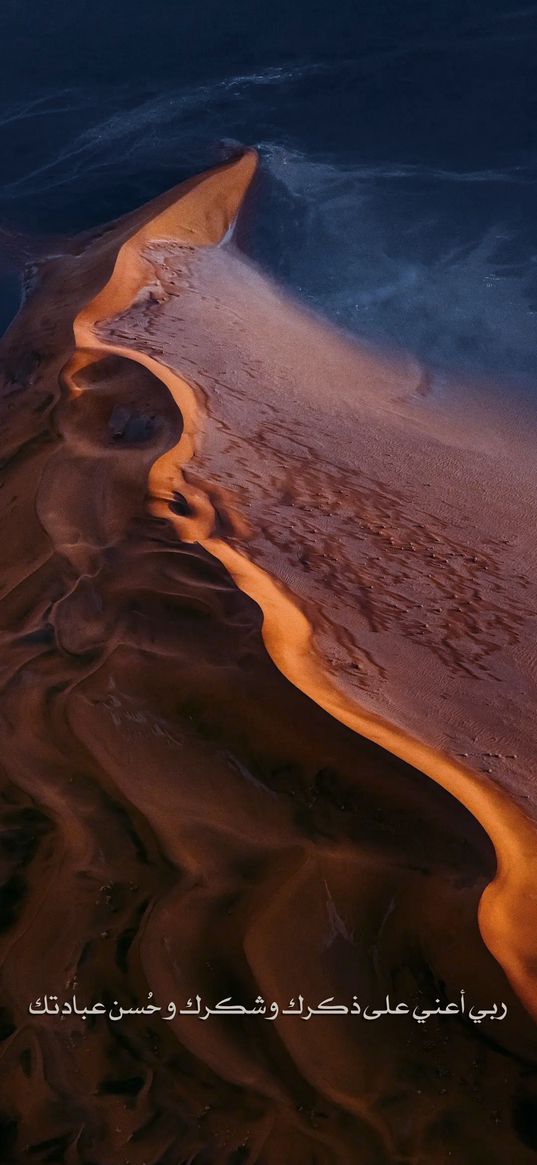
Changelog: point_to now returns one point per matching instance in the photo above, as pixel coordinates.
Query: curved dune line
(201, 214)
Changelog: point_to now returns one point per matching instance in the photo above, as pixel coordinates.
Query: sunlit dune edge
(200, 217)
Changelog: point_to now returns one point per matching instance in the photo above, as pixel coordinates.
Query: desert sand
(268, 671)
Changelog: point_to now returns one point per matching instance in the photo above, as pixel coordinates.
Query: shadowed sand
(259, 586)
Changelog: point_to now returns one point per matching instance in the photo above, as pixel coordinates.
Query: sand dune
(269, 650)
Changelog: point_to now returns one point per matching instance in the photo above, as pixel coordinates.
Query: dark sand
(268, 637)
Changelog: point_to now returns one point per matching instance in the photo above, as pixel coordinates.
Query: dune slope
(268, 647)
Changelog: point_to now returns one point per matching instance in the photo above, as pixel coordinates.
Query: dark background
(397, 141)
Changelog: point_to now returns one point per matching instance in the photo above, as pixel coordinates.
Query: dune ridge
(286, 631)
(194, 797)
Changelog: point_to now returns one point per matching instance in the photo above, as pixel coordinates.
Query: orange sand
(203, 217)
(217, 824)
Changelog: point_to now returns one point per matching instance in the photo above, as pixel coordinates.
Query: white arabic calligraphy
(194, 1009)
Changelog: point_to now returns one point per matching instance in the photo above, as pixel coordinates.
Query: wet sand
(268, 670)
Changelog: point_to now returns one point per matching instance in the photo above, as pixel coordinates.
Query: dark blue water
(397, 137)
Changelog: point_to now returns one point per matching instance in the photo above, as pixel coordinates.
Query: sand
(268, 674)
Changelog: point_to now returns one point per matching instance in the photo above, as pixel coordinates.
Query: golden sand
(261, 592)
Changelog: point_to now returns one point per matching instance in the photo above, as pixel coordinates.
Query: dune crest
(287, 632)
(218, 773)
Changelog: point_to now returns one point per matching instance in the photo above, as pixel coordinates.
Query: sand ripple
(195, 795)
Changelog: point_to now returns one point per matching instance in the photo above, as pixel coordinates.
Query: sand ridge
(287, 632)
(193, 798)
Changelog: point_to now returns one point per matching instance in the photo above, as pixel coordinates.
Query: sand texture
(268, 669)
